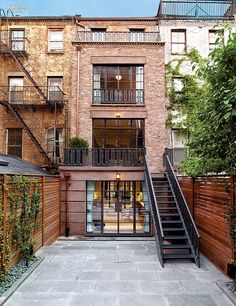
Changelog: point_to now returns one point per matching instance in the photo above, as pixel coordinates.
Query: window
(16, 89)
(178, 41)
(55, 89)
(54, 144)
(137, 34)
(118, 133)
(178, 84)
(179, 140)
(98, 34)
(18, 40)
(14, 142)
(212, 39)
(55, 40)
(118, 84)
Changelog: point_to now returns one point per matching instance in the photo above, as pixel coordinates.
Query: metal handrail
(158, 230)
(118, 96)
(181, 203)
(104, 157)
(113, 37)
(29, 95)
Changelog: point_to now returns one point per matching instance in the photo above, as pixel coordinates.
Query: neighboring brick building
(35, 78)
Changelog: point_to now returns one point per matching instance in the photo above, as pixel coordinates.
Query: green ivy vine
(23, 199)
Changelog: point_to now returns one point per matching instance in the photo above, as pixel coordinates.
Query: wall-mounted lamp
(118, 114)
(117, 176)
(118, 77)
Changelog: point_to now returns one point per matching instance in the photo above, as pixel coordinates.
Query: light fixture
(117, 176)
(118, 114)
(118, 77)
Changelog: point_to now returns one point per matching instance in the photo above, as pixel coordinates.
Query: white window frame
(16, 91)
(52, 48)
(54, 142)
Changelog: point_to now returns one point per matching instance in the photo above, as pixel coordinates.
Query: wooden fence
(208, 198)
(48, 228)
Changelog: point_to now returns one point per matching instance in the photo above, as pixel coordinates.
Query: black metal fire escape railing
(192, 232)
(158, 230)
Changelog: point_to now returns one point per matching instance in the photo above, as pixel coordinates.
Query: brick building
(118, 106)
(35, 78)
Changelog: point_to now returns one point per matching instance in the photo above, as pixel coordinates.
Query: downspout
(67, 180)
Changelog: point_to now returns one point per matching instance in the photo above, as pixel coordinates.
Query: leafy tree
(211, 112)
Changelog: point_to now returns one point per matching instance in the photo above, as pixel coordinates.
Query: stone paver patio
(117, 273)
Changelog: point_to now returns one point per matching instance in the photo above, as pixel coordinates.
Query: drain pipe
(67, 180)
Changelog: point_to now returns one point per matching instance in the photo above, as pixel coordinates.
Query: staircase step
(176, 246)
(182, 237)
(171, 221)
(165, 202)
(168, 208)
(169, 215)
(177, 256)
(167, 196)
(173, 229)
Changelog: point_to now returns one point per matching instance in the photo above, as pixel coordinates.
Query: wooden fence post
(4, 216)
(43, 203)
(232, 200)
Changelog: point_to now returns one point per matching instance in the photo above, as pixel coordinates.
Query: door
(117, 208)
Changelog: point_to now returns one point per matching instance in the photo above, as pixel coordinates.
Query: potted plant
(79, 155)
(231, 268)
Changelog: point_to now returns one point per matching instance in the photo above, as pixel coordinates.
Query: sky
(86, 8)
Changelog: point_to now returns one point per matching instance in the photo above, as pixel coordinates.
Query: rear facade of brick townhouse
(109, 78)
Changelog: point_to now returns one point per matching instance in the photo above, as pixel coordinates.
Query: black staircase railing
(158, 230)
(99, 157)
(189, 224)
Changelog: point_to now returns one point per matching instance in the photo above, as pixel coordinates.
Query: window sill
(55, 52)
(119, 104)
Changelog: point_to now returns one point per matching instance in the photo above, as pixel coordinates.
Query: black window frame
(14, 144)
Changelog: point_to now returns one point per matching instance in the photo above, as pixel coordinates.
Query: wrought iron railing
(29, 95)
(197, 8)
(158, 230)
(16, 44)
(118, 96)
(189, 224)
(98, 157)
(113, 37)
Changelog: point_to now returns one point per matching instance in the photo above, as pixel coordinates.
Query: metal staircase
(176, 234)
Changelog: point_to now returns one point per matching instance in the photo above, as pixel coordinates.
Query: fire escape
(21, 99)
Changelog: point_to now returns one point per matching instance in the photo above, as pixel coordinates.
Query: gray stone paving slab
(190, 300)
(142, 300)
(117, 273)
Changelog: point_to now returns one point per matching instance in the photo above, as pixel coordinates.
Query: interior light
(118, 77)
(117, 176)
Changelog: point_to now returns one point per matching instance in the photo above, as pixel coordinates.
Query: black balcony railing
(29, 95)
(117, 37)
(98, 157)
(118, 96)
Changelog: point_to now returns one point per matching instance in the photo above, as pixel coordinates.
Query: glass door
(117, 208)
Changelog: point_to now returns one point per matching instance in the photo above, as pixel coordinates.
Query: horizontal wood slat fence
(48, 228)
(208, 198)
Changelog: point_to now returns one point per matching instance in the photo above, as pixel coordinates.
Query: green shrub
(78, 142)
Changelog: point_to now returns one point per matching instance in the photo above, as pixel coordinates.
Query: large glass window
(118, 133)
(55, 88)
(179, 140)
(16, 89)
(14, 142)
(118, 84)
(117, 207)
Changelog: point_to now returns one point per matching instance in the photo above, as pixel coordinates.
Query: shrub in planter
(78, 142)
(81, 155)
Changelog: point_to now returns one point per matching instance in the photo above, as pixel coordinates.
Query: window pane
(14, 142)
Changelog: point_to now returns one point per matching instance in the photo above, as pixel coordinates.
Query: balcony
(118, 96)
(99, 157)
(15, 44)
(117, 37)
(29, 96)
